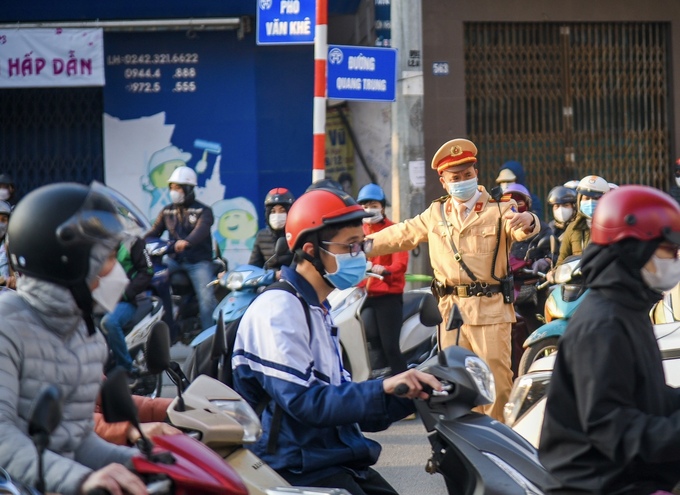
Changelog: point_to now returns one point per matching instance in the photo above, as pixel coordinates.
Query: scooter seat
(144, 307)
(424, 303)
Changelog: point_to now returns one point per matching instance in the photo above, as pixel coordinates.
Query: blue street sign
(362, 73)
(285, 22)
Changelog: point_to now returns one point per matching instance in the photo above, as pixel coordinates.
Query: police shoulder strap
(456, 254)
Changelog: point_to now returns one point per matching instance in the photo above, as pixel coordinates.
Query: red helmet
(279, 196)
(318, 208)
(637, 212)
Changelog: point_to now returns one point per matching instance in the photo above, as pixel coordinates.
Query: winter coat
(190, 223)
(44, 340)
(395, 264)
(279, 358)
(611, 424)
(263, 250)
(149, 410)
(575, 238)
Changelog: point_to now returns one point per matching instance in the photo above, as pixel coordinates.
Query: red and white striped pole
(319, 123)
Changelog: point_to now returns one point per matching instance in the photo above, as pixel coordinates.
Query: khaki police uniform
(488, 320)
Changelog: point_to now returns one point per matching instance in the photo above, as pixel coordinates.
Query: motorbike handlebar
(402, 389)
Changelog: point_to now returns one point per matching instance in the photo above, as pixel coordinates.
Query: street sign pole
(319, 122)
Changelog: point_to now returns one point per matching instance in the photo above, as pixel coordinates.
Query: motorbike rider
(562, 201)
(512, 172)
(63, 243)
(612, 424)
(136, 279)
(188, 223)
(469, 256)
(386, 296)
(7, 278)
(287, 355)
(577, 235)
(527, 254)
(276, 205)
(8, 191)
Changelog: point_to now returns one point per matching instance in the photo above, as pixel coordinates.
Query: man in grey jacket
(63, 240)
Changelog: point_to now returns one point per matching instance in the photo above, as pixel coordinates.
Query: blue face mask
(464, 189)
(351, 270)
(587, 207)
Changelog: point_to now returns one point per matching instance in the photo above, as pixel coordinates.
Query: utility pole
(409, 165)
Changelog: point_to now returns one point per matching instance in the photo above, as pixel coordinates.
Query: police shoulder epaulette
(441, 199)
(504, 199)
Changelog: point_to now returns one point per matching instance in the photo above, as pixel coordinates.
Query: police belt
(467, 290)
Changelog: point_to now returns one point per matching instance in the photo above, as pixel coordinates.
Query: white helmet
(592, 186)
(183, 176)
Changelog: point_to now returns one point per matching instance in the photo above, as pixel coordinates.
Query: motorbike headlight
(244, 415)
(552, 312)
(526, 392)
(235, 280)
(482, 377)
(528, 487)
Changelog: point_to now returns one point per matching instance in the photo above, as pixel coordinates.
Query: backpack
(202, 362)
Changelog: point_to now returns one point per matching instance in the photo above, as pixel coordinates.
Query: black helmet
(6, 179)
(54, 228)
(561, 195)
(279, 196)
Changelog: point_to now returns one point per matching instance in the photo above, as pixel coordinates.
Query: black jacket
(263, 250)
(189, 222)
(611, 425)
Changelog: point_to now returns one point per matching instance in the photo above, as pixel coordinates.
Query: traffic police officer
(467, 231)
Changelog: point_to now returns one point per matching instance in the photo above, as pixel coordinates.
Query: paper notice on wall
(416, 173)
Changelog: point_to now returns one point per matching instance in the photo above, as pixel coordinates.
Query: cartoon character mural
(235, 228)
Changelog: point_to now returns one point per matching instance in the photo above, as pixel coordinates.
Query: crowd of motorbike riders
(71, 256)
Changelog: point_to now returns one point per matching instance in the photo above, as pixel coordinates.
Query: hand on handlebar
(115, 479)
(181, 245)
(152, 429)
(378, 269)
(540, 267)
(412, 384)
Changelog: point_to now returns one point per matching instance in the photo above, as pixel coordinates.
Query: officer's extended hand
(519, 220)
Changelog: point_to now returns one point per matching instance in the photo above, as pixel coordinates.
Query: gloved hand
(378, 269)
(542, 265)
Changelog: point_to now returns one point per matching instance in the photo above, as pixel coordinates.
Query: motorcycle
(560, 305)
(357, 330)
(244, 283)
(473, 452)
(177, 292)
(174, 464)
(149, 312)
(215, 414)
(526, 406)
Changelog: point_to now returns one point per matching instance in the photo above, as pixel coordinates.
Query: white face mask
(277, 221)
(667, 274)
(4, 194)
(563, 213)
(677, 181)
(177, 197)
(376, 215)
(111, 288)
(504, 185)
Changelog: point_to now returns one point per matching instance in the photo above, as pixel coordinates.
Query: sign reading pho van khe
(34, 58)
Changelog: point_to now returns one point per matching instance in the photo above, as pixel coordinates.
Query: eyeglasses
(354, 248)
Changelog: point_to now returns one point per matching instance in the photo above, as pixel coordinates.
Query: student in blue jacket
(287, 356)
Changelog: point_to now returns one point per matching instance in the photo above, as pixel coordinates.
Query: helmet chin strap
(315, 260)
(81, 293)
